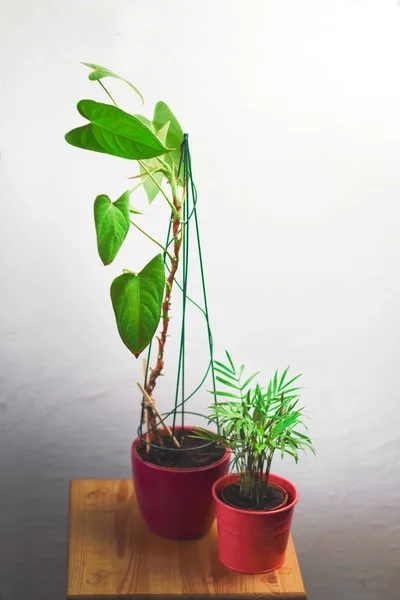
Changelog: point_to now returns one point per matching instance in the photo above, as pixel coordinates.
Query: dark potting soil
(274, 497)
(193, 453)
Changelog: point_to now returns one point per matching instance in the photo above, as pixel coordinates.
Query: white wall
(293, 112)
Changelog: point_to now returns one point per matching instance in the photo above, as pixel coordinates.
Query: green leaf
(301, 435)
(205, 434)
(145, 121)
(134, 210)
(113, 131)
(224, 367)
(226, 394)
(250, 379)
(225, 373)
(283, 448)
(286, 392)
(162, 115)
(228, 383)
(230, 361)
(293, 448)
(112, 225)
(162, 133)
(290, 382)
(282, 379)
(150, 187)
(100, 72)
(275, 382)
(239, 425)
(137, 301)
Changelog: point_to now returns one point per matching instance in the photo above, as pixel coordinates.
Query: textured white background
(293, 111)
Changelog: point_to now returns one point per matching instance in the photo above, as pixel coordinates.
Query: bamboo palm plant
(255, 422)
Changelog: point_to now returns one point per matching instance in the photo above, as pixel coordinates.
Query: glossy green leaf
(113, 131)
(112, 225)
(162, 115)
(137, 301)
(100, 72)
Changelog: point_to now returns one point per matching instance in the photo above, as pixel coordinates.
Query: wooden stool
(112, 555)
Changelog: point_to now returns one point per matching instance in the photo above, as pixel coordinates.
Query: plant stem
(151, 403)
(171, 205)
(174, 187)
(107, 92)
(260, 483)
(177, 237)
(139, 175)
(268, 467)
(137, 186)
(165, 166)
(153, 240)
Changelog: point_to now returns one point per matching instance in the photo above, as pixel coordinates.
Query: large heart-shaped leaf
(137, 302)
(112, 225)
(162, 115)
(113, 131)
(100, 72)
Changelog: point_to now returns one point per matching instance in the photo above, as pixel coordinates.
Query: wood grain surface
(112, 555)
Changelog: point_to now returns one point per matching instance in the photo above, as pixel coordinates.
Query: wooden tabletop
(112, 555)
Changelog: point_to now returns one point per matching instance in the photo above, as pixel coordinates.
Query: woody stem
(177, 233)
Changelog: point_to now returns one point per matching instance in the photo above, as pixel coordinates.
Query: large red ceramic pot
(176, 503)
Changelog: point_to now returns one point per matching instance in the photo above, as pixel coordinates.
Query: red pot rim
(136, 441)
(234, 477)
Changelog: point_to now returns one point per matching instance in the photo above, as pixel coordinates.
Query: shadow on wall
(360, 556)
(34, 506)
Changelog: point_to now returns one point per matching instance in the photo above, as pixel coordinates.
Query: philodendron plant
(139, 298)
(255, 422)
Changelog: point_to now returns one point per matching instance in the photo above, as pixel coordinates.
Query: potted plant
(254, 506)
(173, 473)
